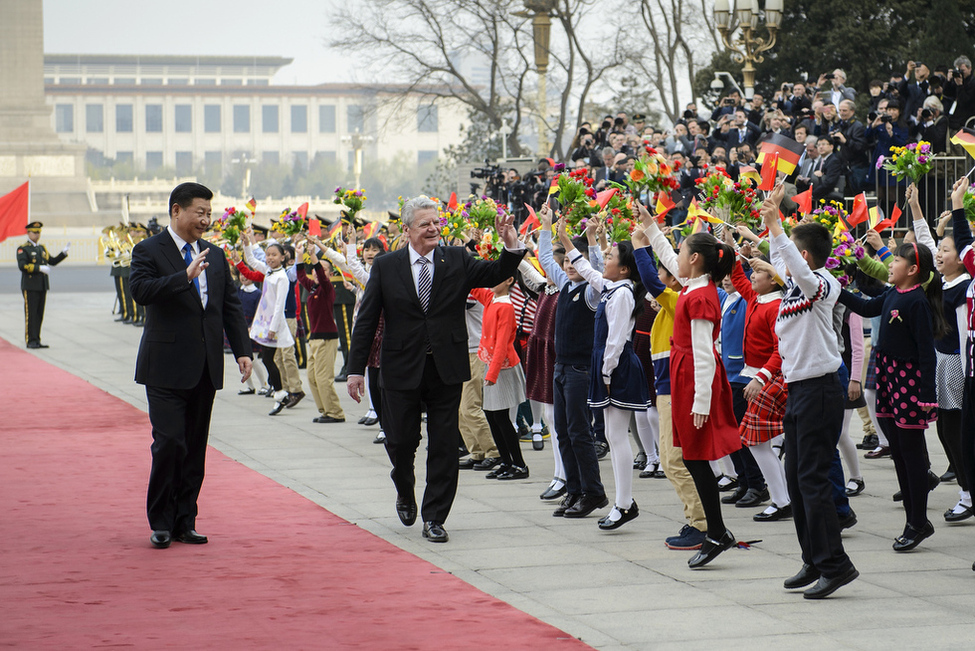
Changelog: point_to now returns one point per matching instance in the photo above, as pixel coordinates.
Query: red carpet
(77, 570)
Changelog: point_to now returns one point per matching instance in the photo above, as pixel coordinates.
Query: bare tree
(424, 43)
(683, 35)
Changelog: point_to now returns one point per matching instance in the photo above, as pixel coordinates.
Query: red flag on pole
(531, 222)
(769, 172)
(452, 202)
(884, 224)
(303, 210)
(859, 213)
(602, 198)
(15, 212)
(315, 227)
(804, 201)
(664, 205)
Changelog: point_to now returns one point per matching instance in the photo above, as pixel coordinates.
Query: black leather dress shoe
(497, 472)
(487, 463)
(848, 521)
(729, 485)
(294, 399)
(586, 505)
(752, 497)
(278, 407)
(808, 574)
(160, 539)
(514, 472)
(913, 537)
(733, 497)
(552, 493)
(952, 516)
(369, 422)
(406, 511)
(362, 420)
(467, 464)
(949, 476)
(190, 537)
(827, 586)
(779, 513)
(567, 503)
(328, 419)
(710, 549)
(608, 524)
(246, 392)
(434, 532)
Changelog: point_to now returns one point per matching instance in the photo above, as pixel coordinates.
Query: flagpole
(970, 172)
(28, 199)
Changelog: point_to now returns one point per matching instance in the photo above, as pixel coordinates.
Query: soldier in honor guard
(35, 265)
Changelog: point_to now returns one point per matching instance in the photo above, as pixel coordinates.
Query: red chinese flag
(531, 223)
(859, 213)
(804, 201)
(452, 202)
(315, 227)
(602, 198)
(303, 210)
(884, 224)
(15, 212)
(769, 172)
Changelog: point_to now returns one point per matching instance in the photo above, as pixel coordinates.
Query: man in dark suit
(421, 290)
(185, 284)
(826, 173)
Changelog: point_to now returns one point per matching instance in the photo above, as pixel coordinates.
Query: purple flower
(832, 263)
(464, 213)
(922, 159)
(859, 252)
(339, 189)
(559, 167)
(925, 148)
(358, 193)
(880, 162)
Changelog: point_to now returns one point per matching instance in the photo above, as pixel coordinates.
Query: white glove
(66, 247)
(44, 269)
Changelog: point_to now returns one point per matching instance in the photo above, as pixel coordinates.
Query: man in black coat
(185, 284)
(421, 291)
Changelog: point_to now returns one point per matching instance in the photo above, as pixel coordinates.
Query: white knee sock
(870, 395)
(647, 427)
(774, 472)
(621, 454)
(548, 412)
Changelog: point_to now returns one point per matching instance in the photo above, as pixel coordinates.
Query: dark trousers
(949, 432)
(123, 303)
(180, 421)
(375, 393)
(33, 315)
(401, 418)
(749, 474)
(273, 373)
(576, 443)
(908, 451)
(812, 422)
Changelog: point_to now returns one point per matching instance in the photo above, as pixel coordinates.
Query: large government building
(187, 113)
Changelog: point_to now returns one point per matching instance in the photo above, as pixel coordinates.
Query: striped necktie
(425, 283)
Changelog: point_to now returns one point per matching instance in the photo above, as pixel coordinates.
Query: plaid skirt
(763, 418)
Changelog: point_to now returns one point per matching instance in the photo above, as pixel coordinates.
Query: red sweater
(761, 342)
(321, 299)
(248, 273)
(497, 348)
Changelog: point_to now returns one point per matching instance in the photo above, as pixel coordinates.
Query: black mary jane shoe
(502, 469)
(710, 549)
(552, 493)
(913, 537)
(608, 524)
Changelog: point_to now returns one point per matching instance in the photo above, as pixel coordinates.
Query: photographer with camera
(838, 90)
(677, 141)
(727, 106)
(586, 149)
(740, 130)
(913, 93)
(850, 136)
(887, 129)
(960, 89)
(932, 125)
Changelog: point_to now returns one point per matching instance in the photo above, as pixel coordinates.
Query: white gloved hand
(66, 247)
(44, 269)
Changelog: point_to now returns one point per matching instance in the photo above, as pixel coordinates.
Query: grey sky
(291, 28)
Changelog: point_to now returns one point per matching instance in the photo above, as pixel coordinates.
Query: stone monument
(29, 147)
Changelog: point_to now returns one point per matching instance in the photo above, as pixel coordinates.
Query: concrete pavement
(620, 590)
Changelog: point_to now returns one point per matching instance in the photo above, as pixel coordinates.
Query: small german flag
(333, 230)
(749, 172)
(664, 205)
(789, 152)
(370, 230)
(252, 205)
(965, 138)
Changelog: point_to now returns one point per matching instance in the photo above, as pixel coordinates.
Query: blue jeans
(572, 423)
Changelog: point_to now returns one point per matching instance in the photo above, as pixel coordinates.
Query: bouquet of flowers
(970, 205)
(290, 223)
(353, 200)
(651, 173)
(490, 246)
(846, 250)
(619, 218)
(913, 161)
(481, 213)
(453, 224)
(231, 225)
(578, 199)
(739, 202)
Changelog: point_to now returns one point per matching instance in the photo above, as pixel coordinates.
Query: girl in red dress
(704, 422)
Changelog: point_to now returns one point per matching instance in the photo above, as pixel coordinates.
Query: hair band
(720, 252)
(917, 258)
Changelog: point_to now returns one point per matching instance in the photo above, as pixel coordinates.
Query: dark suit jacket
(30, 256)
(825, 185)
(179, 334)
(391, 292)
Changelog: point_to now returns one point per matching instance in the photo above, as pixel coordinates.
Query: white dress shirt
(195, 247)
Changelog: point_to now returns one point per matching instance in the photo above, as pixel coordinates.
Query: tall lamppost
(358, 142)
(748, 47)
(540, 11)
